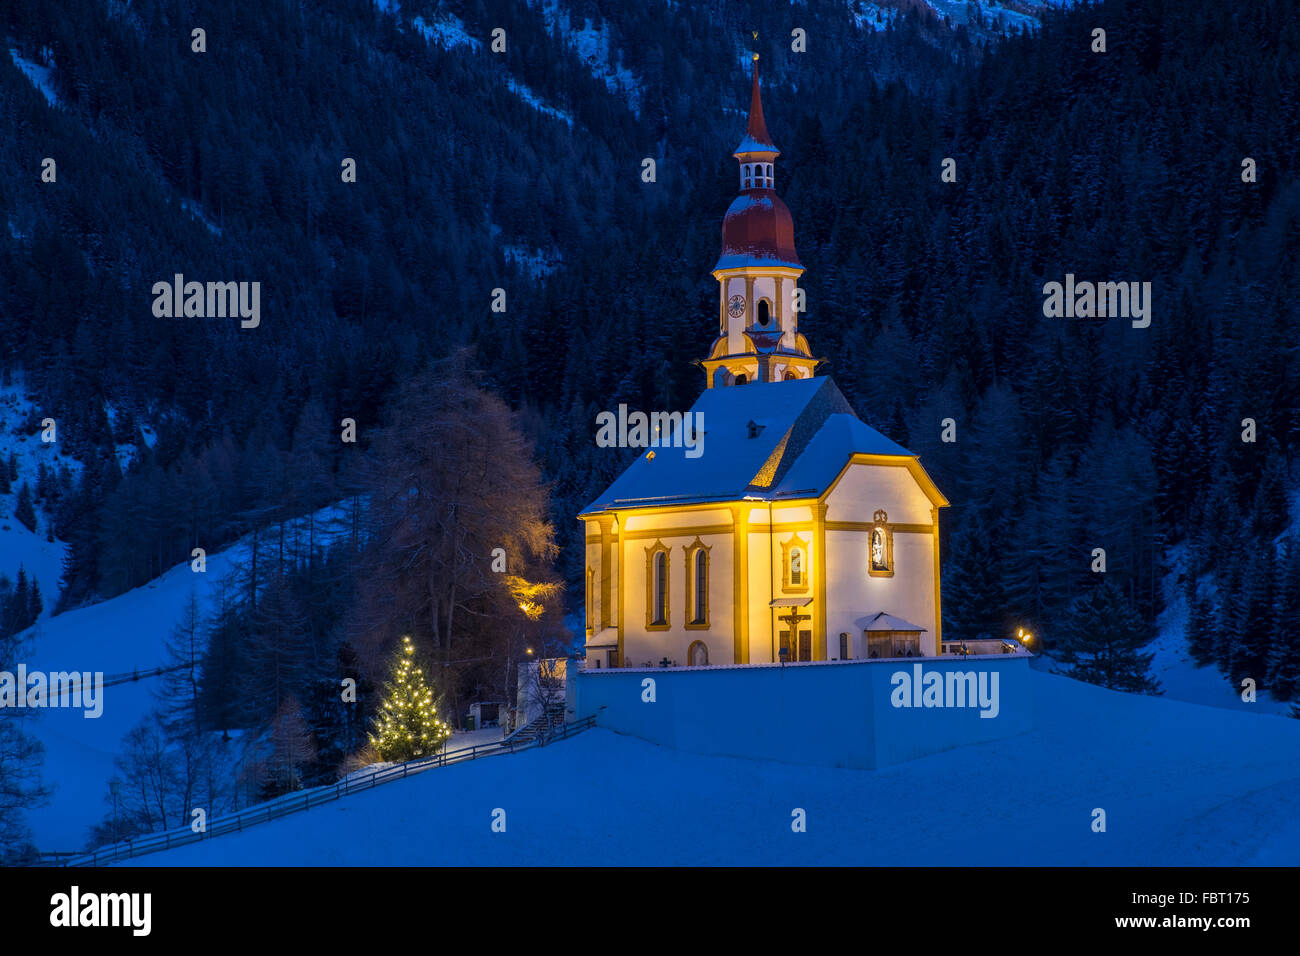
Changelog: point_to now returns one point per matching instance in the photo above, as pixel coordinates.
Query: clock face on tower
(736, 306)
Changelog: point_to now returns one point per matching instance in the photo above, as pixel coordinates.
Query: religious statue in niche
(881, 552)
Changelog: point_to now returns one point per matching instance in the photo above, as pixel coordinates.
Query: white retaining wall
(826, 713)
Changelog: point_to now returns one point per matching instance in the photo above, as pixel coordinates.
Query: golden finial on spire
(754, 34)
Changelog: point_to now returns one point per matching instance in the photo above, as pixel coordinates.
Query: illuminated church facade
(794, 532)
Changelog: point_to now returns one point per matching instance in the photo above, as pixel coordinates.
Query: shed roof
(887, 622)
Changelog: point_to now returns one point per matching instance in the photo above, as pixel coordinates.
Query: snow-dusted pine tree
(1101, 641)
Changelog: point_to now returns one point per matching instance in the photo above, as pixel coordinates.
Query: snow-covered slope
(114, 637)
(118, 636)
(41, 75)
(596, 48)
(1179, 675)
(1180, 785)
(997, 16)
(448, 31)
(41, 558)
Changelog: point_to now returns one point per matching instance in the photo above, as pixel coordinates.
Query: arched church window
(742, 379)
(790, 376)
(661, 588)
(764, 312)
(698, 654)
(591, 600)
(697, 585)
(656, 612)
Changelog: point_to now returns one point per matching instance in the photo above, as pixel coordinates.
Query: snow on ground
(996, 16)
(536, 102)
(118, 636)
(196, 210)
(42, 77)
(42, 559)
(1000, 17)
(463, 739)
(595, 47)
(448, 31)
(871, 16)
(536, 263)
(1180, 784)
(1180, 677)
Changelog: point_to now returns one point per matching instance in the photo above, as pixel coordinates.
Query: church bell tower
(758, 273)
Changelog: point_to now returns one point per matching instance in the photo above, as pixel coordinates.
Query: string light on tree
(407, 725)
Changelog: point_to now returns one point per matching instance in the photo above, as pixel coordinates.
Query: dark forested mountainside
(924, 296)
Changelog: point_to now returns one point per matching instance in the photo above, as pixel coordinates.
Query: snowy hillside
(118, 636)
(1179, 675)
(34, 551)
(1180, 784)
(449, 32)
(997, 16)
(40, 74)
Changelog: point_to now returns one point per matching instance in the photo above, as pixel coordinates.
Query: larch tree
(459, 537)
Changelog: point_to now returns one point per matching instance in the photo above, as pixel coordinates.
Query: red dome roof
(758, 230)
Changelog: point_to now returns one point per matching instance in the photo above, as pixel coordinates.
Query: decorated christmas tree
(407, 725)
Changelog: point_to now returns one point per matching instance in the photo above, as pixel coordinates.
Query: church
(794, 532)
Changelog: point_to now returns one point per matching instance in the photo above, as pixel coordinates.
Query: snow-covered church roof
(774, 440)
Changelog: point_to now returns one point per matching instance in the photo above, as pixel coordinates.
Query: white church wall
(736, 327)
(836, 714)
(852, 595)
(641, 644)
(866, 488)
(764, 288)
(635, 523)
(592, 609)
(761, 590)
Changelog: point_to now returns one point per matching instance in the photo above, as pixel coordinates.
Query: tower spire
(757, 139)
(758, 272)
(756, 136)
